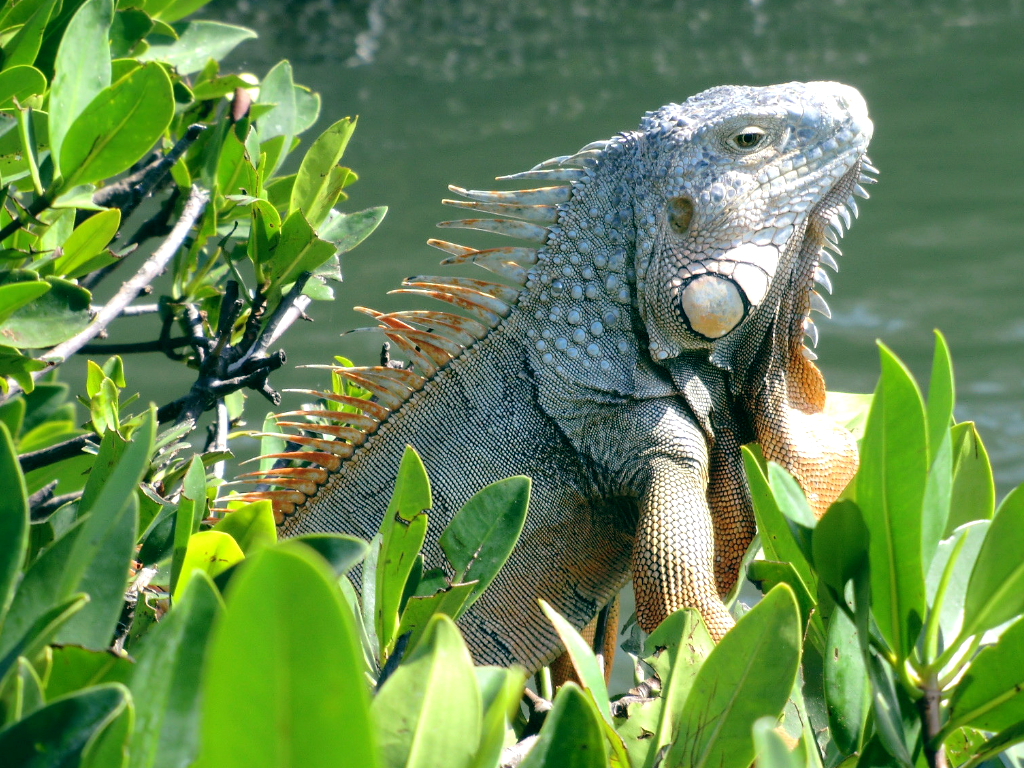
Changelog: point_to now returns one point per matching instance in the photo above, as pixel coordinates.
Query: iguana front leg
(674, 550)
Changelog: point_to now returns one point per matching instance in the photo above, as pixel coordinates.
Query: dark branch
(128, 348)
(130, 191)
(156, 225)
(46, 456)
(152, 267)
(48, 507)
(930, 706)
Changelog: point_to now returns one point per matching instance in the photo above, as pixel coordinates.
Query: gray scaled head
(741, 184)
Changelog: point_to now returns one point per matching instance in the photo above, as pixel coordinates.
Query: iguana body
(656, 327)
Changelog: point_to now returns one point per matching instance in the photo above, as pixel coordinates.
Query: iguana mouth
(827, 223)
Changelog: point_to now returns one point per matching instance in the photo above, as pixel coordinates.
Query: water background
(460, 92)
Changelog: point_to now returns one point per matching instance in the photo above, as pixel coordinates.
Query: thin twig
(135, 311)
(153, 266)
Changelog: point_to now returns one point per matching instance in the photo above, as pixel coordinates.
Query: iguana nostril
(680, 213)
(712, 305)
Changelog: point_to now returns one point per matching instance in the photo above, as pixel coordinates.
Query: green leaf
(941, 395)
(849, 411)
(404, 530)
(768, 574)
(995, 592)
(20, 82)
(38, 635)
(129, 27)
(35, 593)
(317, 185)
(14, 520)
(118, 127)
(52, 318)
(500, 691)
(108, 503)
(89, 240)
(109, 747)
(23, 48)
(196, 44)
(974, 490)
(341, 552)
(57, 734)
(18, 367)
(81, 69)
(251, 526)
(73, 669)
(13, 162)
(793, 504)
(840, 544)
(583, 660)
(951, 610)
(166, 679)
(419, 610)
(105, 579)
(771, 750)
(481, 535)
(295, 108)
(571, 735)
(990, 696)
(264, 230)
(347, 230)
(209, 552)
(777, 536)
(888, 720)
(15, 295)
(235, 170)
(191, 510)
(172, 10)
(430, 707)
(935, 505)
(286, 618)
(890, 492)
(680, 644)
(22, 694)
(748, 675)
(847, 693)
(298, 250)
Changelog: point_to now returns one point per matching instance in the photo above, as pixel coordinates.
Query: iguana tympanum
(656, 324)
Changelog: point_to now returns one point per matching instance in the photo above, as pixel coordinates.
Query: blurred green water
(459, 92)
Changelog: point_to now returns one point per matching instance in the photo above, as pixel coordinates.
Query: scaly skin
(658, 326)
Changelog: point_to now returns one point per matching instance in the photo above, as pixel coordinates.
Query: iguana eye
(748, 138)
(680, 213)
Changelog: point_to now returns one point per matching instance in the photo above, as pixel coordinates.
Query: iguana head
(745, 182)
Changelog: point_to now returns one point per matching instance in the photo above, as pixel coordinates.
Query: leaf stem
(930, 707)
(931, 630)
(946, 679)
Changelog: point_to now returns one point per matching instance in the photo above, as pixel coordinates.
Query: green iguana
(656, 324)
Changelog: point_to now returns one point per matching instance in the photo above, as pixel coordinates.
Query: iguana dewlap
(655, 323)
